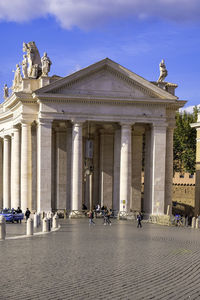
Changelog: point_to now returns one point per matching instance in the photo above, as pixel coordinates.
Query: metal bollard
(2, 228)
(29, 227)
(55, 221)
(193, 222)
(46, 225)
(35, 218)
(197, 223)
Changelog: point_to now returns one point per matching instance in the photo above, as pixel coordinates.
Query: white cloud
(89, 13)
(189, 109)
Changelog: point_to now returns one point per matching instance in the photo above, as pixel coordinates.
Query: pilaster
(158, 159)
(116, 179)
(15, 168)
(169, 169)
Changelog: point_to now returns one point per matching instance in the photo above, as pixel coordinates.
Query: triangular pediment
(105, 79)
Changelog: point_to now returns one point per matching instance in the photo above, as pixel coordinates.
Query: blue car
(11, 215)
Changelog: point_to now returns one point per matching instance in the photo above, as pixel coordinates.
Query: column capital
(126, 125)
(156, 125)
(46, 122)
(77, 122)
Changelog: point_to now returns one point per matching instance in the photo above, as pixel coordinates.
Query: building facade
(85, 138)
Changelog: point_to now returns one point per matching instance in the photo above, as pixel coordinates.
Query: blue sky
(135, 33)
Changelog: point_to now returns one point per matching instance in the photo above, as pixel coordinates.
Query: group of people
(105, 213)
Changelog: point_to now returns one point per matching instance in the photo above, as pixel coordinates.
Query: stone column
(44, 144)
(77, 156)
(1, 173)
(197, 183)
(6, 172)
(125, 167)
(116, 179)
(26, 166)
(169, 169)
(147, 206)
(15, 169)
(69, 165)
(106, 168)
(158, 158)
(61, 170)
(137, 144)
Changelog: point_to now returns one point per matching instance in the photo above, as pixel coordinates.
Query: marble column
(137, 144)
(61, 170)
(15, 169)
(69, 164)
(44, 151)
(158, 158)
(106, 168)
(26, 166)
(147, 202)
(125, 167)
(197, 183)
(6, 171)
(1, 173)
(169, 169)
(116, 179)
(77, 166)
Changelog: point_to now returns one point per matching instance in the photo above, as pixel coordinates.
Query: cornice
(43, 98)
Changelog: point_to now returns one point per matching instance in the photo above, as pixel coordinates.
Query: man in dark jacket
(139, 219)
(27, 214)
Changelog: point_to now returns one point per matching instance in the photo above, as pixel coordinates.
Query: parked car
(11, 215)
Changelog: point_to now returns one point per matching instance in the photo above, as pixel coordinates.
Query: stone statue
(5, 89)
(33, 57)
(25, 66)
(163, 71)
(17, 78)
(46, 63)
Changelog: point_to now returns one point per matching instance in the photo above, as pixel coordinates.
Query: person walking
(19, 211)
(27, 214)
(91, 217)
(139, 219)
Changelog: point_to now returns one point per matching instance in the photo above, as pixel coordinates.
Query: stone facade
(65, 142)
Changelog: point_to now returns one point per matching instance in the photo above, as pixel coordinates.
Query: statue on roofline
(25, 66)
(46, 64)
(5, 91)
(17, 78)
(34, 60)
(163, 71)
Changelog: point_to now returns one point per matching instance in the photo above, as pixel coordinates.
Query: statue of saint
(17, 78)
(163, 71)
(5, 90)
(25, 66)
(33, 57)
(46, 63)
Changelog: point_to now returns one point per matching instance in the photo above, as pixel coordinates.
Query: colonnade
(16, 167)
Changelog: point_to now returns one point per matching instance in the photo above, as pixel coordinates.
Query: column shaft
(26, 167)
(125, 168)
(116, 179)
(136, 169)
(169, 169)
(15, 169)
(6, 172)
(158, 158)
(44, 136)
(147, 206)
(76, 191)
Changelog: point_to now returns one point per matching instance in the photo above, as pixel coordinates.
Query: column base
(76, 214)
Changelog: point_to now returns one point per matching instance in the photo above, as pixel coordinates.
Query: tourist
(19, 211)
(91, 217)
(139, 219)
(27, 214)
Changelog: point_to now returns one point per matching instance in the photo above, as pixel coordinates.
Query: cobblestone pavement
(102, 262)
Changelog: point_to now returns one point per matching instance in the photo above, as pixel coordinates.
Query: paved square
(102, 262)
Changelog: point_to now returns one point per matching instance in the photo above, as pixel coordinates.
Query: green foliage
(185, 142)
